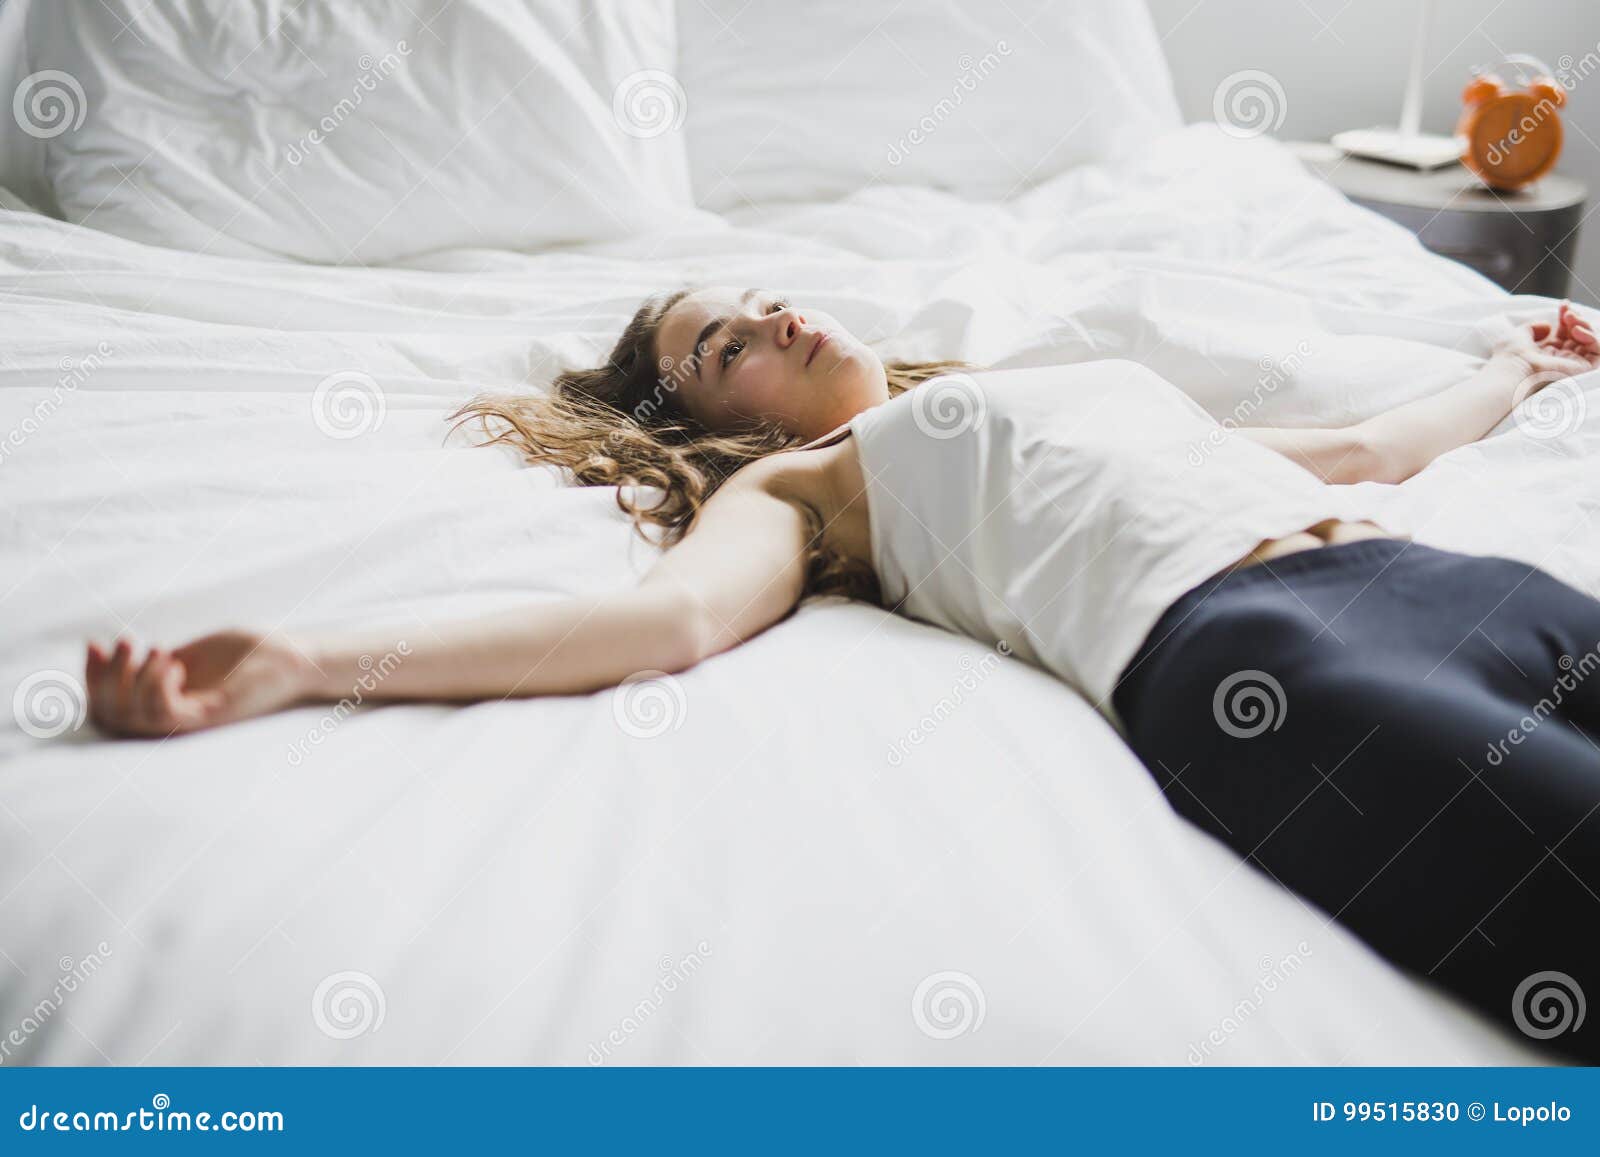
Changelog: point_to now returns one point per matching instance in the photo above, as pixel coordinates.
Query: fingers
(132, 697)
(1573, 327)
(1569, 346)
(189, 710)
(95, 663)
(1578, 341)
(147, 704)
(123, 673)
(103, 676)
(178, 709)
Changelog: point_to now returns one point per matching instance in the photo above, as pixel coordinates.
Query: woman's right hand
(219, 678)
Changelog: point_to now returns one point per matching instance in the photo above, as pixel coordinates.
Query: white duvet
(783, 875)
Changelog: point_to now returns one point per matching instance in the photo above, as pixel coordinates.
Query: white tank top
(1063, 509)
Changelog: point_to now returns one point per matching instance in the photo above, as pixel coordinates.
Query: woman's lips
(821, 338)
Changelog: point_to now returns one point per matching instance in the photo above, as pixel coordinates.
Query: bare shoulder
(802, 476)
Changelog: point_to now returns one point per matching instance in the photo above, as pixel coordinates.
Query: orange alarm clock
(1512, 135)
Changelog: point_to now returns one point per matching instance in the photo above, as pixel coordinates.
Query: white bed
(537, 881)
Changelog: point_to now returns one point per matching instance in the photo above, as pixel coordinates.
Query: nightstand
(1525, 241)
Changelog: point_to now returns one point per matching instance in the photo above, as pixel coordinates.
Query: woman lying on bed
(1401, 734)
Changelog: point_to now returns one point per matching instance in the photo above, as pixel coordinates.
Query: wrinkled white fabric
(977, 98)
(849, 808)
(357, 131)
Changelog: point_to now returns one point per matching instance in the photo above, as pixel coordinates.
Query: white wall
(1342, 64)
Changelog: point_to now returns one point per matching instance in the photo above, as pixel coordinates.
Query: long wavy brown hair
(618, 424)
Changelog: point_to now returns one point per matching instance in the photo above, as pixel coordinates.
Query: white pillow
(358, 130)
(809, 102)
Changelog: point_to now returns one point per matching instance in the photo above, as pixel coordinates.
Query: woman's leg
(1334, 724)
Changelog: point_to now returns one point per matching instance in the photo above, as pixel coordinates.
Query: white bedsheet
(524, 881)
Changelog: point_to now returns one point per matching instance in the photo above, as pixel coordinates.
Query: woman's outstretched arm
(1394, 445)
(738, 570)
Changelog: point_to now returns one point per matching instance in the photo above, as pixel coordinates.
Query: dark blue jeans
(1410, 739)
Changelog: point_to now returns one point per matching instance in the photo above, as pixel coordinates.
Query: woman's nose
(790, 323)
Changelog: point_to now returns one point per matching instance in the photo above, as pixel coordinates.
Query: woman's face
(736, 356)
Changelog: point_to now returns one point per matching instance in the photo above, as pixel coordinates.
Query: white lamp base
(1415, 150)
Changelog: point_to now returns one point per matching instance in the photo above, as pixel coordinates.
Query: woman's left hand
(1550, 352)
